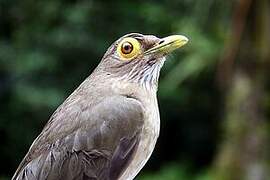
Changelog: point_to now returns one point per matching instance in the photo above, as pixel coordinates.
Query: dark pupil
(127, 48)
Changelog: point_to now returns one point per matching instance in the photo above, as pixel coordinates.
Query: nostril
(160, 42)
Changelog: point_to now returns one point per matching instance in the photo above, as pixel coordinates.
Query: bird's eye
(128, 48)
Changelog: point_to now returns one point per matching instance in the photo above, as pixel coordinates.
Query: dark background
(214, 93)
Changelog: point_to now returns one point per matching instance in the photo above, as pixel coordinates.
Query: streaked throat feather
(145, 74)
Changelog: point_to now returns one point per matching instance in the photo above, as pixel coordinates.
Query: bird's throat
(146, 76)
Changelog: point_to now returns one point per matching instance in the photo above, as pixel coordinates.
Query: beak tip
(184, 39)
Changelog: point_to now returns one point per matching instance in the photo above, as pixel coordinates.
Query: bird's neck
(140, 84)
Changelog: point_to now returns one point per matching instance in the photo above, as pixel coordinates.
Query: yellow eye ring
(128, 48)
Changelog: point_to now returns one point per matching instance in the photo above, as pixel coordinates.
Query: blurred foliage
(176, 172)
(173, 172)
(48, 47)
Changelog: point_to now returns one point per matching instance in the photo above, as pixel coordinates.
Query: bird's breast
(147, 142)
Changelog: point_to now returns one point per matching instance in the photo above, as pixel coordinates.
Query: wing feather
(98, 146)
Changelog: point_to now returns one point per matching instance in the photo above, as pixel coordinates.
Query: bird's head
(139, 58)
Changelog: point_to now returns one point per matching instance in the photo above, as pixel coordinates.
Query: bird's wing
(99, 145)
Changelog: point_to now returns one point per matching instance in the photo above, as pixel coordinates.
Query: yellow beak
(168, 44)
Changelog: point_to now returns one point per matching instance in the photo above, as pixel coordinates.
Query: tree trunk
(245, 150)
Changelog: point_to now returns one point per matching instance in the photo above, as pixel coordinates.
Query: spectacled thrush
(108, 127)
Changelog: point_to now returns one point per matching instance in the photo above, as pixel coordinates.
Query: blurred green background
(214, 93)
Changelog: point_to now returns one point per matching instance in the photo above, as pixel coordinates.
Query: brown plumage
(107, 128)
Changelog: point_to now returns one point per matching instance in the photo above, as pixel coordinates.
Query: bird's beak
(168, 44)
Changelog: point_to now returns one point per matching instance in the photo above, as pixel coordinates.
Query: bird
(108, 127)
